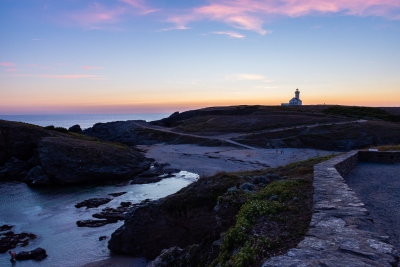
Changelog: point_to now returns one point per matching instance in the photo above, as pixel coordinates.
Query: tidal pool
(50, 213)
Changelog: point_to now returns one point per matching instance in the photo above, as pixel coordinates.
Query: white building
(295, 101)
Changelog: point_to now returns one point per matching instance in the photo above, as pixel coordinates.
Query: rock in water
(9, 239)
(75, 129)
(37, 254)
(93, 202)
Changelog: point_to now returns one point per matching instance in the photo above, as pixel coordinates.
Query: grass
(362, 113)
(270, 220)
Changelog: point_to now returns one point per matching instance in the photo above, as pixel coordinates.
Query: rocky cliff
(39, 156)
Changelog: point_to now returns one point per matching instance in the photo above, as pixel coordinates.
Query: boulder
(9, 239)
(37, 254)
(92, 223)
(14, 168)
(93, 202)
(76, 161)
(75, 129)
(36, 176)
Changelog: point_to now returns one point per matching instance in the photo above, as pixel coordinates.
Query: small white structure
(295, 101)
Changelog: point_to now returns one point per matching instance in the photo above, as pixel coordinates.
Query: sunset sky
(130, 56)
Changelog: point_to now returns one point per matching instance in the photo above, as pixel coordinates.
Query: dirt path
(227, 137)
(378, 187)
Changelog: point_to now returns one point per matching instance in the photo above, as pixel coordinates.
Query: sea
(83, 120)
(50, 213)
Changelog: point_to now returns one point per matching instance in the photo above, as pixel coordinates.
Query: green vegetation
(241, 247)
(280, 206)
(261, 213)
(362, 113)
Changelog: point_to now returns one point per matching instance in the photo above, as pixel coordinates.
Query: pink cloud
(97, 13)
(61, 76)
(231, 34)
(140, 5)
(91, 68)
(252, 14)
(12, 70)
(7, 64)
(71, 76)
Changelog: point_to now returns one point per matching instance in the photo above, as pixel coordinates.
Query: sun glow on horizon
(144, 55)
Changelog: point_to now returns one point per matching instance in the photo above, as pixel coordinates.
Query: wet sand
(118, 261)
(207, 161)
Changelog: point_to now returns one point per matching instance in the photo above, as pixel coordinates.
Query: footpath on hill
(378, 187)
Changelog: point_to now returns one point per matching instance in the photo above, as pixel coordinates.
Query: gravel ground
(378, 186)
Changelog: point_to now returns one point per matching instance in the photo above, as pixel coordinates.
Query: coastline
(118, 261)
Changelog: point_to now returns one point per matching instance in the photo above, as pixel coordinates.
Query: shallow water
(51, 215)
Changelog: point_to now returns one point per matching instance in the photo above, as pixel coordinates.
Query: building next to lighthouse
(295, 101)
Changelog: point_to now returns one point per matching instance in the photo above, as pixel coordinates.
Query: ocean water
(84, 120)
(50, 213)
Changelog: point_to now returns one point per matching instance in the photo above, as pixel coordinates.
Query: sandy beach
(207, 161)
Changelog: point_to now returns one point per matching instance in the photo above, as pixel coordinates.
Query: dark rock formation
(75, 129)
(14, 169)
(42, 156)
(37, 254)
(167, 257)
(73, 161)
(154, 174)
(93, 223)
(93, 202)
(182, 219)
(9, 239)
(36, 176)
(19, 140)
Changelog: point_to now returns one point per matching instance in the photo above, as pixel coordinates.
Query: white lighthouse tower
(295, 101)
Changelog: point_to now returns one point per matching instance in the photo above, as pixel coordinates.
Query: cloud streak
(7, 64)
(97, 13)
(61, 76)
(231, 34)
(252, 14)
(91, 68)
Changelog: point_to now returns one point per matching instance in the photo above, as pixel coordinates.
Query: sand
(118, 261)
(207, 161)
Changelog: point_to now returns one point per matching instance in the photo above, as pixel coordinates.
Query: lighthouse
(297, 94)
(295, 101)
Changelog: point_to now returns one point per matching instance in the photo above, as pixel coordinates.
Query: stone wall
(380, 157)
(341, 232)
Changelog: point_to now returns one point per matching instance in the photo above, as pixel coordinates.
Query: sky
(141, 56)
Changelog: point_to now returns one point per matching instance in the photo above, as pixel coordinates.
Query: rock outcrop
(182, 219)
(72, 161)
(9, 239)
(37, 254)
(41, 157)
(14, 169)
(75, 129)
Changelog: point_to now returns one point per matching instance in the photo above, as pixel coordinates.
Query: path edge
(341, 231)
